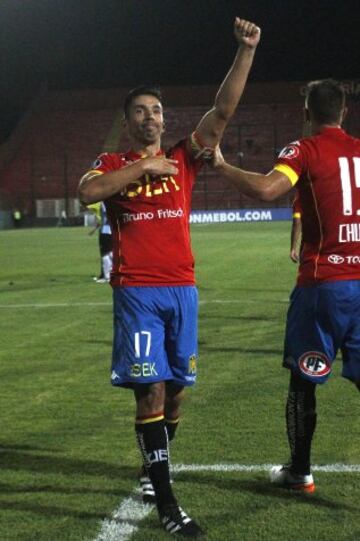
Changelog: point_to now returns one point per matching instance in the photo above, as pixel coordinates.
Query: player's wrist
(220, 166)
(144, 165)
(245, 48)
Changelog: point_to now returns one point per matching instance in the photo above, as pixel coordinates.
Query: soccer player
(324, 312)
(295, 230)
(147, 194)
(105, 242)
(105, 246)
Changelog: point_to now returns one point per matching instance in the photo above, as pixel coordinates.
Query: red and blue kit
(155, 299)
(326, 171)
(324, 312)
(150, 222)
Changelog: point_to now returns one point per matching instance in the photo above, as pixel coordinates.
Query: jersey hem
(117, 283)
(312, 282)
(128, 384)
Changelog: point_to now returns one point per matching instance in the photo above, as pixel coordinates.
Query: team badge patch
(314, 363)
(291, 151)
(97, 163)
(192, 364)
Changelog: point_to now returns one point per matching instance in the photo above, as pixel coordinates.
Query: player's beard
(149, 133)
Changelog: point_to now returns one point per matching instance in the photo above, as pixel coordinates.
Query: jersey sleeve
(198, 150)
(191, 162)
(292, 161)
(104, 163)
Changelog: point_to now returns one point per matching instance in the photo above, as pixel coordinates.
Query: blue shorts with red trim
(155, 335)
(321, 320)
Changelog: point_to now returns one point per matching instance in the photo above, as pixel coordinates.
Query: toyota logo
(336, 259)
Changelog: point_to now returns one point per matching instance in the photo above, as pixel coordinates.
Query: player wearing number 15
(324, 313)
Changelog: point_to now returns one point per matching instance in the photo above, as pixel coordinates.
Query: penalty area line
(126, 518)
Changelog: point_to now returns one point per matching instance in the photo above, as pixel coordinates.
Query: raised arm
(211, 127)
(97, 186)
(264, 187)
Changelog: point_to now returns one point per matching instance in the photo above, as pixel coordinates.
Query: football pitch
(68, 457)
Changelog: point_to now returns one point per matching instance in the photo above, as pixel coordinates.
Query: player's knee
(302, 394)
(173, 398)
(297, 383)
(150, 398)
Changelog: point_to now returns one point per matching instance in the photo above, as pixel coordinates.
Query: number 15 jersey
(326, 171)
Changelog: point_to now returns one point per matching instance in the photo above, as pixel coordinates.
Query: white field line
(330, 468)
(86, 304)
(125, 520)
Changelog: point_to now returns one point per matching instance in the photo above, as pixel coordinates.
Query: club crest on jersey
(192, 364)
(97, 163)
(314, 363)
(291, 151)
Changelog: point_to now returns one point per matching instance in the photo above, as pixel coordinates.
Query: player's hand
(294, 256)
(218, 159)
(246, 33)
(160, 166)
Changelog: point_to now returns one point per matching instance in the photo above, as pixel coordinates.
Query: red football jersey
(150, 222)
(326, 170)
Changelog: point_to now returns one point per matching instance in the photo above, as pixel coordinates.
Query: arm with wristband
(211, 127)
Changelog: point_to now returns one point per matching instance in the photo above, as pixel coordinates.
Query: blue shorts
(155, 335)
(321, 320)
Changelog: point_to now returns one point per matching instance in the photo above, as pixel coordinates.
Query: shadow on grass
(17, 459)
(232, 288)
(225, 317)
(260, 351)
(24, 447)
(51, 511)
(17, 488)
(107, 343)
(28, 459)
(260, 487)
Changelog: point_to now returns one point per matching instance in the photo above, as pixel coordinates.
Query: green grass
(67, 449)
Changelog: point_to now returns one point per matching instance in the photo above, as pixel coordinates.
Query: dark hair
(142, 90)
(325, 100)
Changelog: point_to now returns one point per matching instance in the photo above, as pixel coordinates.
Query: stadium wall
(70, 128)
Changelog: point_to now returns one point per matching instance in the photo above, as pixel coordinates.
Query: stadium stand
(62, 132)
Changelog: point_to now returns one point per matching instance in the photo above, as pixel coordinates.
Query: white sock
(107, 265)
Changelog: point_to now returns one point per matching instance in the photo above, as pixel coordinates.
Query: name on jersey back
(349, 232)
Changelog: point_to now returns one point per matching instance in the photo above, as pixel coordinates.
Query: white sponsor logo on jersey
(349, 259)
(354, 259)
(336, 259)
